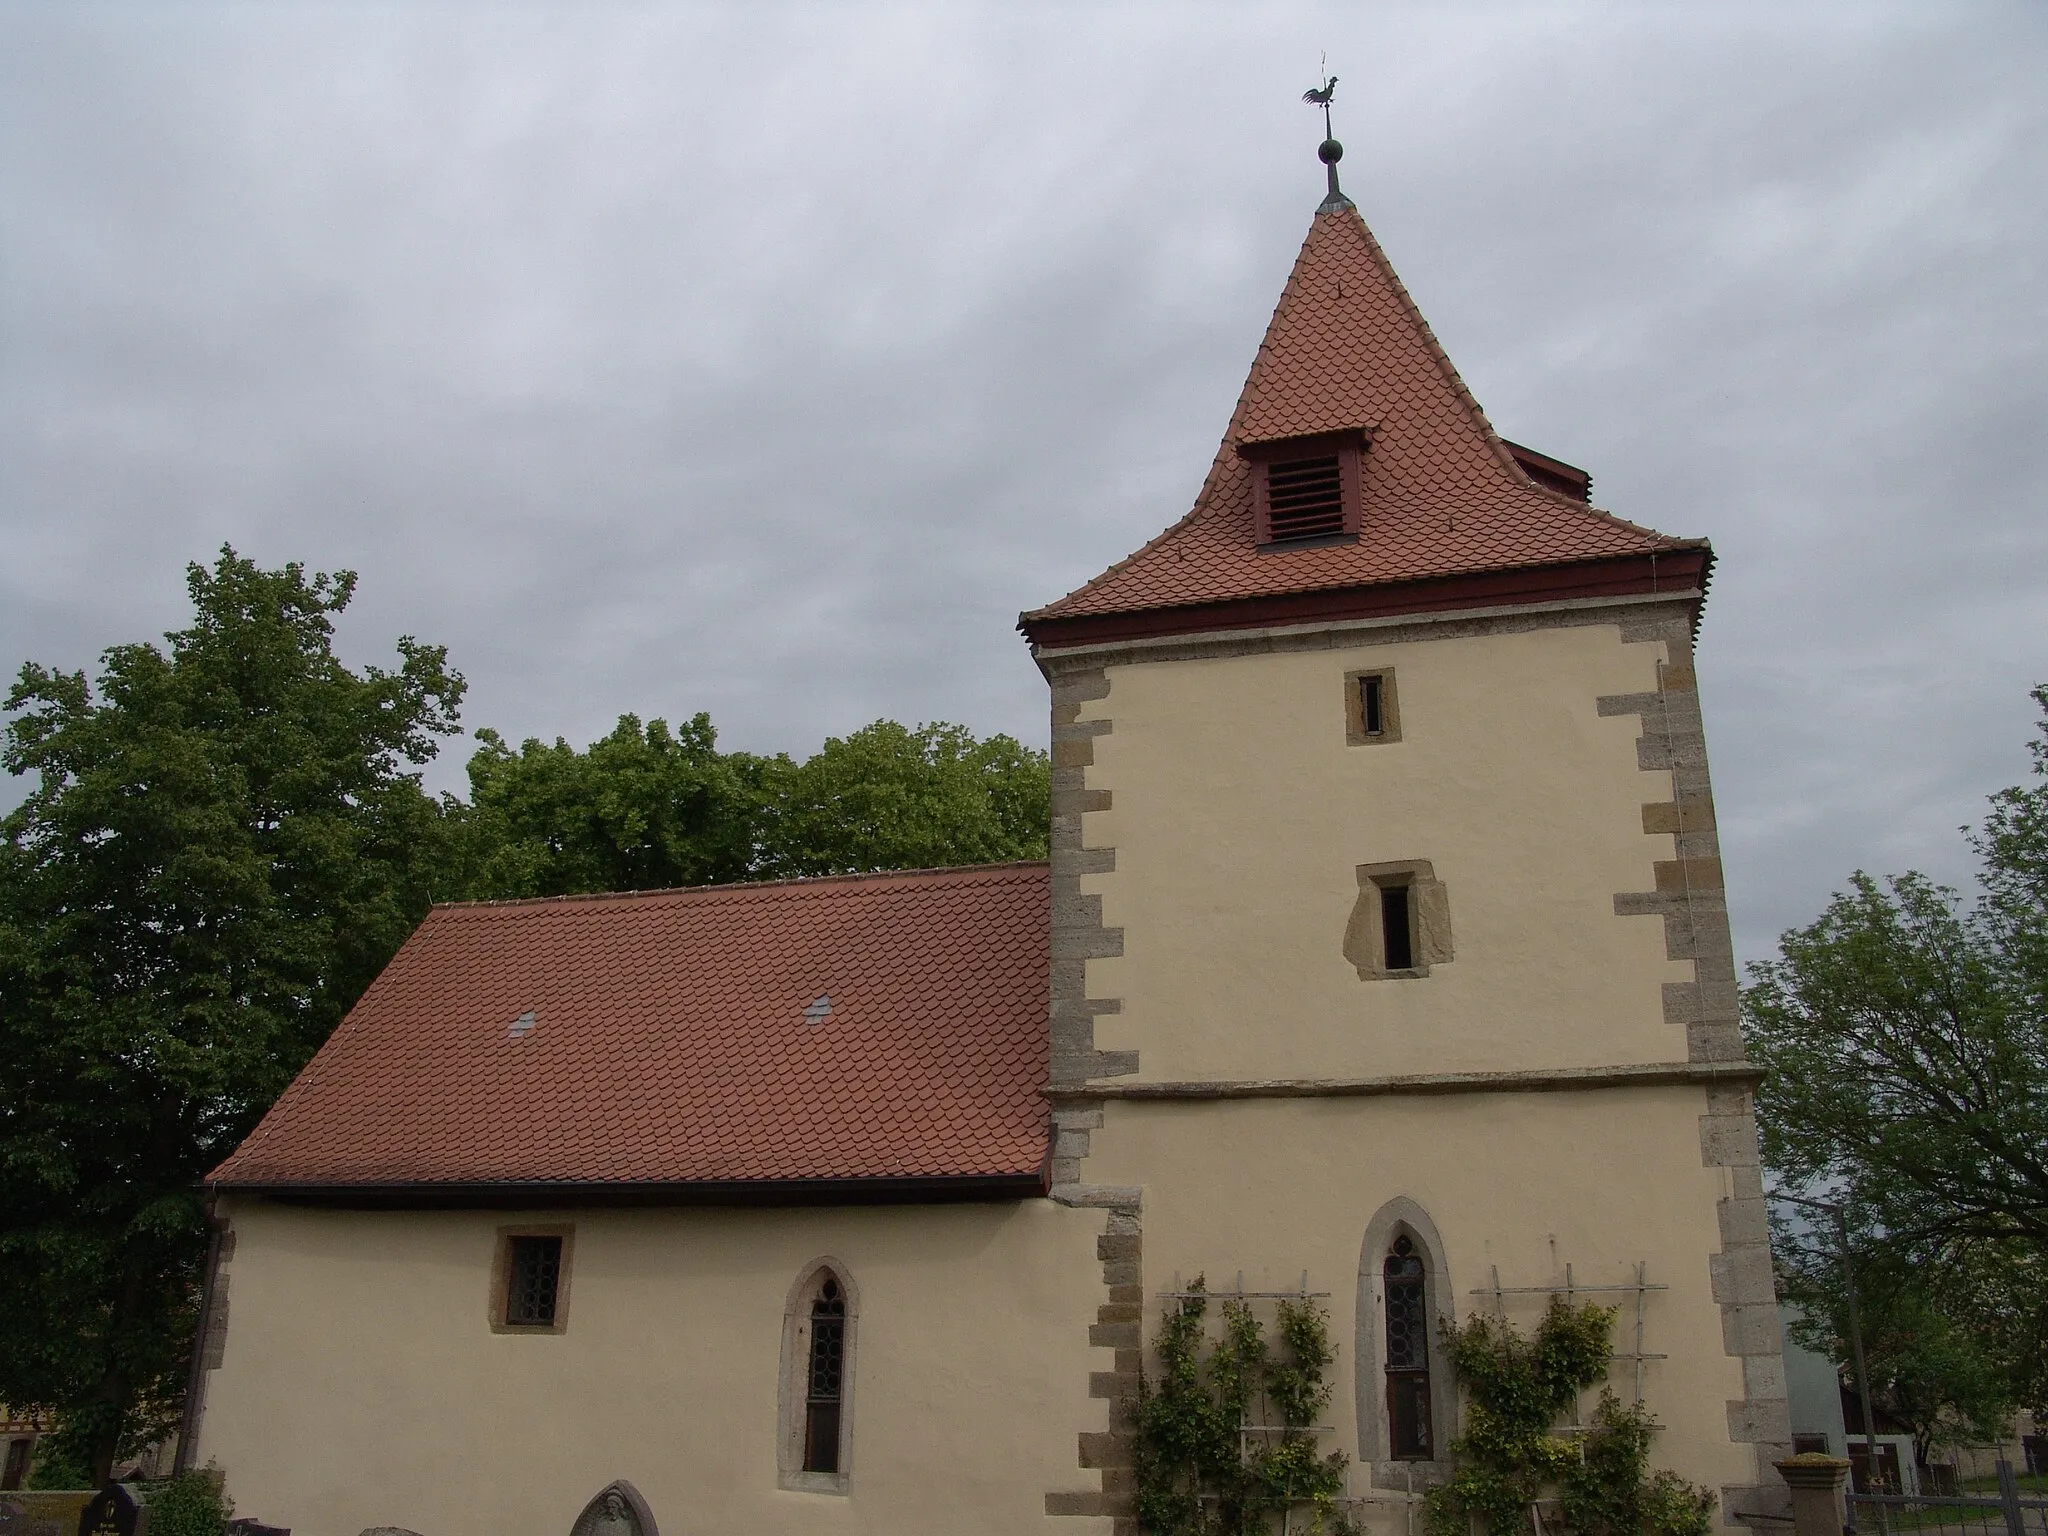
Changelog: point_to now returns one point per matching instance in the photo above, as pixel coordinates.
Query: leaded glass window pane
(1407, 1362)
(826, 1379)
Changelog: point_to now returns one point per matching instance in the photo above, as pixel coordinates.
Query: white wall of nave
(362, 1385)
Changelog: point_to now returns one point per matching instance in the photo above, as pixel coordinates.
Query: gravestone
(41, 1512)
(114, 1511)
(256, 1528)
(618, 1510)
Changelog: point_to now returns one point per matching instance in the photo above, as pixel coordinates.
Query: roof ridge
(1224, 449)
(1471, 401)
(809, 881)
(1459, 387)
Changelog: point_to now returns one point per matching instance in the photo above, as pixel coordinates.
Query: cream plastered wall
(1528, 1182)
(1239, 813)
(361, 1383)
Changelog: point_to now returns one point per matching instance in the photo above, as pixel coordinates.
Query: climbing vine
(1509, 1457)
(1199, 1472)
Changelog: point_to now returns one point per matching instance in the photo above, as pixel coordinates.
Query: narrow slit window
(1372, 698)
(533, 1282)
(1372, 707)
(1408, 1407)
(825, 1379)
(1397, 927)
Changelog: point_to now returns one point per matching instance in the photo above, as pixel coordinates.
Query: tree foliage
(1906, 1037)
(889, 797)
(650, 806)
(1929, 1368)
(643, 808)
(224, 841)
(1517, 1389)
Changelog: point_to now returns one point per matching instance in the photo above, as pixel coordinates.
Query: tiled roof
(1442, 497)
(678, 1036)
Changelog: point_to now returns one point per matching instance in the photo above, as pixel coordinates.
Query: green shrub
(1517, 1388)
(191, 1505)
(58, 1465)
(1199, 1474)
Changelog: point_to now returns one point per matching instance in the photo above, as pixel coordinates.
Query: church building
(1381, 957)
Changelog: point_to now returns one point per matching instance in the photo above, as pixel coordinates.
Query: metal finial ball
(1329, 151)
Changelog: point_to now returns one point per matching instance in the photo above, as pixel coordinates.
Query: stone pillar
(1816, 1483)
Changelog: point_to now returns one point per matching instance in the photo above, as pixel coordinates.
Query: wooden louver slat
(1305, 497)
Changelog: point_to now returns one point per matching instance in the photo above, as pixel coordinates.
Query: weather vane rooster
(1321, 97)
(1329, 151)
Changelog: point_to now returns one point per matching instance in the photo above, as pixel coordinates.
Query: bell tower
(1389, 939)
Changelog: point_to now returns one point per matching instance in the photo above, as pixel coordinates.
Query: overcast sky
(767, 360)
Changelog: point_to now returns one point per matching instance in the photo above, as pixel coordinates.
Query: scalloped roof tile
(1442, 496)
(669, 1041)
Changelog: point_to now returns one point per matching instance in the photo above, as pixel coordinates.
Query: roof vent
(1307, 488)
(522, 1026)
(819, 1010)
(1306, 497)
(1552, 474)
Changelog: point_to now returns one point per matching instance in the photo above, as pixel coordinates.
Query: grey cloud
(768, 361)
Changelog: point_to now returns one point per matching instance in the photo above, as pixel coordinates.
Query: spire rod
(1329, 151)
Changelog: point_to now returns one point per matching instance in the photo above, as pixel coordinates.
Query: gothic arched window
(825, 1379)
(820, 1334)
(1407, 1354)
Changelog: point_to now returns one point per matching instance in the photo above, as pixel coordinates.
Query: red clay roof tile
(1442, 497)
(670, 1044)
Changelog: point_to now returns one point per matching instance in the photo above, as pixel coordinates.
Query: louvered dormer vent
(1305, 498)
(1307, 488)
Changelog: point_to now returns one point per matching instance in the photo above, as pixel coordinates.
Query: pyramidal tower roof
(1448, 519)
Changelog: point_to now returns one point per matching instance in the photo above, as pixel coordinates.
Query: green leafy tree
(889, 797)
(648, 807)
(1906, 1038)
(1928, 1366)
(223, 843)
(645, 807)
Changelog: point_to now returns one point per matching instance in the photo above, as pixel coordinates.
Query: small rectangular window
(532, 1282)
(1372, 712)
(1397, 927)
(1401, 923)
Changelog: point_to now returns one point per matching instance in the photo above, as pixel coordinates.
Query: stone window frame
(501, 1277)
(795, 1380)
(1354, 707)
(1402, 1217)
(1429, 919)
